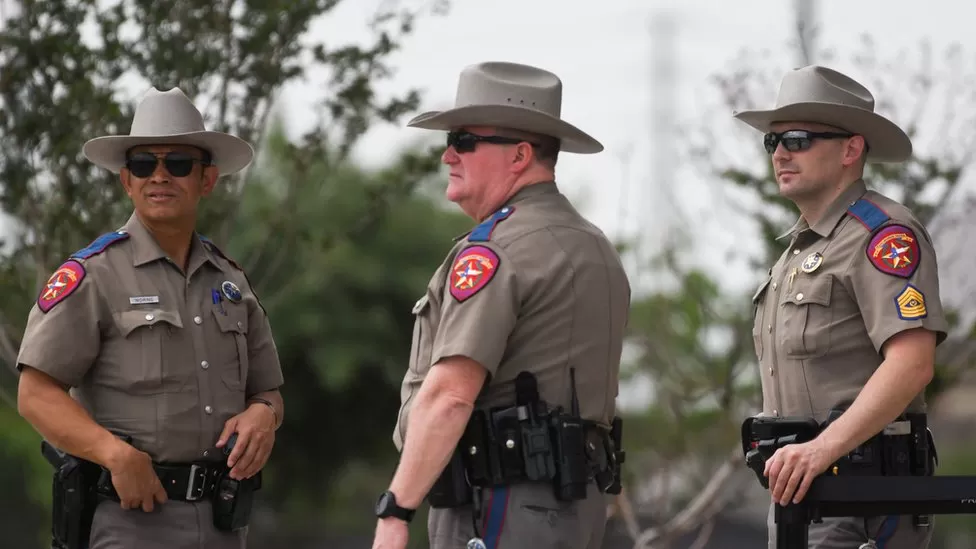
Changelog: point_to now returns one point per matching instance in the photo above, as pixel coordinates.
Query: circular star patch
(894, 250)
(62, 283)
(473, 270)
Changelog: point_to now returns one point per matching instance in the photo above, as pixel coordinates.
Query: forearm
(436, 424)
(65, 424)
(277, 404)
(884, 397)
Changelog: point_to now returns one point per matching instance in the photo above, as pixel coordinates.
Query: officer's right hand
(135, 480)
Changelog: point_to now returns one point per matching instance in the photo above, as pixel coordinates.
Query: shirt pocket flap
(235, 321)
(815, 291)
(762, 289)
(127, 321)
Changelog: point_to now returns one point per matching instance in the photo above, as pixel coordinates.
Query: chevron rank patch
(473, 269)
(894, 250)
(62, 283)
(910, 303)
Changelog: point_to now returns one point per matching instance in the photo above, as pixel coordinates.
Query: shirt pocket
(807, 318)
(138, 362)
(758, 312)
(230, 349)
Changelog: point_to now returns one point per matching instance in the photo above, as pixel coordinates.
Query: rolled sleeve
(480, 306)
(894, 297)
(264, 367)
(65, 341)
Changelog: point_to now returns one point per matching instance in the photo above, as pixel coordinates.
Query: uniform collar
(145, 249)
(526, 192)
(835, 212)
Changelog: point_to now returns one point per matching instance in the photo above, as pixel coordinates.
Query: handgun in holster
(73, 498)
(233, 499)
(762, 436)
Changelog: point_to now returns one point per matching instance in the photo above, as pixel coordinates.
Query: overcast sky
(605, 54)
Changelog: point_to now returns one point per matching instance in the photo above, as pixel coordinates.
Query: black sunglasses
(464, 142)
(178, 164)
(797, 140)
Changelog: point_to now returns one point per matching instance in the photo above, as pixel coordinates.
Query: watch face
(383, 503)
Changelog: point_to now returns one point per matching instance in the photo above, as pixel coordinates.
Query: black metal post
(792, 525)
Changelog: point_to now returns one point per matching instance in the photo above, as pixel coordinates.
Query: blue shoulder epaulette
(100, 244)
(218, 251)
(482, 233)
(868, 213)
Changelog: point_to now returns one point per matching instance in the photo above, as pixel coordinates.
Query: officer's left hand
(391, 533)
(255, 428)
(794, 466)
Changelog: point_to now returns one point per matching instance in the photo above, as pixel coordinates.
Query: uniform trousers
(171, 525)
(891, 532)
(525, 515)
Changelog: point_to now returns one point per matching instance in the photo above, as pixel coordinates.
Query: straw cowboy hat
(514, 96)
(819, 94)
(169, 118)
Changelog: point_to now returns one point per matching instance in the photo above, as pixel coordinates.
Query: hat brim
(571, 138)
(230, 154)
(887, 142)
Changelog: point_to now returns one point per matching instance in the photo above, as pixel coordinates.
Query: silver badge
(869, 545)
(812, 262)
(476, 543)
(231, 291)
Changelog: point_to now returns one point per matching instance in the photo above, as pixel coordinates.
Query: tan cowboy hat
(514, 96)
(169, 118)
(819, 94)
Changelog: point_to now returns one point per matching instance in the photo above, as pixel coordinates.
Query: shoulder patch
(910, 303)
(868, 213)
(482, 233)
(61, 284)
(894, 250)
(213, 247)
(100, 244)
(473, 269)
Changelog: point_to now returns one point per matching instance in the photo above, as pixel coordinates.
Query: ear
(854, 150)
(210, 175)
(126, 178)
(522, 158)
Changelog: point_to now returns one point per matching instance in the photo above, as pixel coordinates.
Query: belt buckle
(193, 491)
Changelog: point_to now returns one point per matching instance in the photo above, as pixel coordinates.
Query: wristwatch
(386, 506)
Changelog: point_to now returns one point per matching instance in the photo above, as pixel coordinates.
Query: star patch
(894, 250)
(910, 303)
(62, 283)
(473, 270)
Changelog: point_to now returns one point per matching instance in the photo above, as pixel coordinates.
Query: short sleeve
(480, 306)
(896, 283)
(264, 368)
(63, 333)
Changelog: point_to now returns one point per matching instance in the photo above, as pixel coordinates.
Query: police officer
(850, 313)
(161, 341)
(534, 287)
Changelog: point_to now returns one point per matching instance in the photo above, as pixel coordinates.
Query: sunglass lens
(179, 165)
(794, 144)
(142, 165)
(462, 142)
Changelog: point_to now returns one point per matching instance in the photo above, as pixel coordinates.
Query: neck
(523, 181)
(174, 237)
(815, 207)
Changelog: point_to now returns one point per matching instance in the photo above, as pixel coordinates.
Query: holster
(73, 498)
(233, 501)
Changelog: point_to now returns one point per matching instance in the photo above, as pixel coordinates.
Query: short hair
(546, 147)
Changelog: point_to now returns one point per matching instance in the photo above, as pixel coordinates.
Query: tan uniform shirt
(863, 273)
(151, 353)
(536, 287)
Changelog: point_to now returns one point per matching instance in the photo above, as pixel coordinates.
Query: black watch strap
(386, 506)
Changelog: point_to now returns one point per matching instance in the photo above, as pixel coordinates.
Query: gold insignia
(812, 262)
(910, 304)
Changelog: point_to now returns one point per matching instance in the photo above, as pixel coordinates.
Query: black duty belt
(182, 482)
